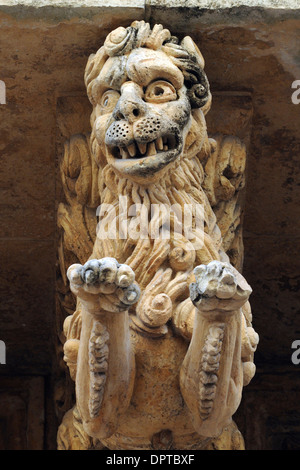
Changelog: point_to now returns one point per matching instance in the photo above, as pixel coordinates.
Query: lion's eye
(160, 91)
(109, 100)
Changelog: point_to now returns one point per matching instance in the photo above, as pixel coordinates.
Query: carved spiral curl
(120, 41)
(182, 256)
(156, 311)
(123, 40)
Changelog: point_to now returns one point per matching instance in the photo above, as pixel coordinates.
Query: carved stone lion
(161, 344)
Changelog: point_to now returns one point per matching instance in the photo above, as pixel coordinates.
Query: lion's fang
(132, 150)
(159, 143)
(142, 147)
(123, 153)
(151, 149)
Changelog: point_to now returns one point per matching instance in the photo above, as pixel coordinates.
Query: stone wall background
(252, 50)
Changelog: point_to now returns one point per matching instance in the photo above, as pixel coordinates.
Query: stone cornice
(208, 11)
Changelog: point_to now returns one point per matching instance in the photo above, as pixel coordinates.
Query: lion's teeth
(132, 150)
(142, 148)
(123, 153)
(166, 147)
(159, 143)
(151, 149)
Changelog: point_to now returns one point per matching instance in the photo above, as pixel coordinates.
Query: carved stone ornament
(161, 343)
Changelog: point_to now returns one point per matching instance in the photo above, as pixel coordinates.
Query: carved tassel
(98, 365)
(209, 367)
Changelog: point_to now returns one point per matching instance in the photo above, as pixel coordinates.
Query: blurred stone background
(252, 52)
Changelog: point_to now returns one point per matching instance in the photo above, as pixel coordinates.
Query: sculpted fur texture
(161, 343)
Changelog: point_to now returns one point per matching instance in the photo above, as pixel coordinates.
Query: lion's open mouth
(138, 150)
(143, 160)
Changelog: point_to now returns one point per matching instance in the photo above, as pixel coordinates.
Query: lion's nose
(128, 110)
(130, 106)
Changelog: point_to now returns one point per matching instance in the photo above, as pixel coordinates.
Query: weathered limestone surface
(254, 51)
(161, 341)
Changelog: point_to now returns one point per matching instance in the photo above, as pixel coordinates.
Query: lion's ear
(195, 78)
(188, 44)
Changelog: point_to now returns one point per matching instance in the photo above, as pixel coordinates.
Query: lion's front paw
(104, 282)
(218, 286)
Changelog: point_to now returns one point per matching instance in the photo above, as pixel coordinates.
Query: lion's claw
(104, 279)
(218, 286)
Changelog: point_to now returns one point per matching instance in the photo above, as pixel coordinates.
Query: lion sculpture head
(148, 90)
